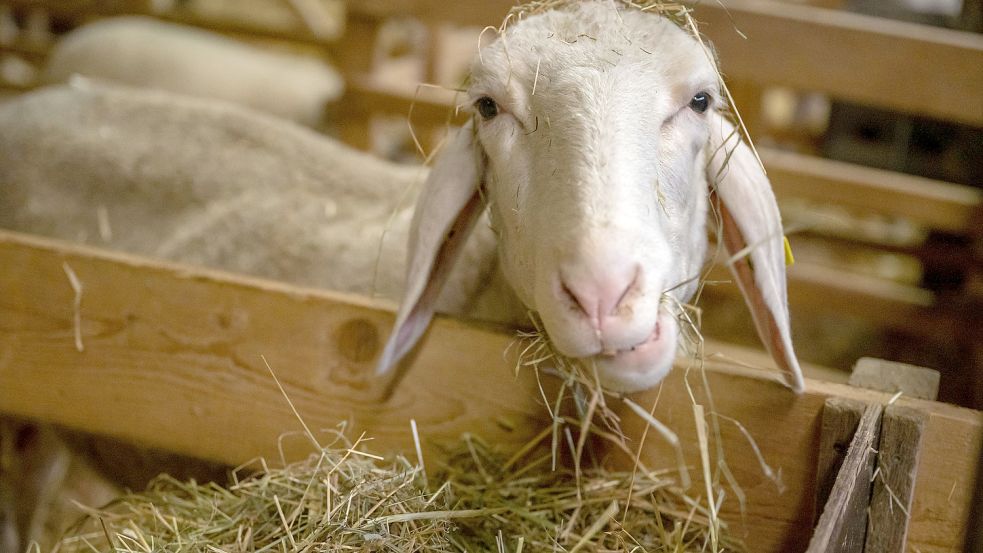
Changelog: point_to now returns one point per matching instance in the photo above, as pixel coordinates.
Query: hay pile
(549, 496)
(344, 499)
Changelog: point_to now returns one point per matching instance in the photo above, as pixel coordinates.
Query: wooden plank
(842, 527)
(898, 455)
(817, 288)
(424, 105)
(172, 361)
(974, 541)
(839, 424)
(937, 204)
(890, 64)
(787, 430)
(793, 45)
(892, 377)
(270, 19)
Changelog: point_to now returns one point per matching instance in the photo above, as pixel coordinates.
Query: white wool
(209, 183)
(146, 52)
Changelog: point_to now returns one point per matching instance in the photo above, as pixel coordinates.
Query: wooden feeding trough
(173, 358)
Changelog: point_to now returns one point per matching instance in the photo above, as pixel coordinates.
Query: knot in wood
(358, 340)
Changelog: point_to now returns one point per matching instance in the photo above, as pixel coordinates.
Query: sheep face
(595, 178)
(592, 131)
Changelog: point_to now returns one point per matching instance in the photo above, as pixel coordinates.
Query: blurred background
(868, 115)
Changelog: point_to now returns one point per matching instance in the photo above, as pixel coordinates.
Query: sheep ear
(446, 211)
(752, 234)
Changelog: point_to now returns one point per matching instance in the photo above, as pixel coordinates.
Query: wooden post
(843, 525)
(891, 377)
(839, 425)
(898, 453)
(974, 539)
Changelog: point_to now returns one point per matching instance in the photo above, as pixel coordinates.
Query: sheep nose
(601, 294)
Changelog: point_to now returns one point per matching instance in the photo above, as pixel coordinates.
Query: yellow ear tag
(789, 258)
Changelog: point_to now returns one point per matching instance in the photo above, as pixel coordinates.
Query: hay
(343, 499)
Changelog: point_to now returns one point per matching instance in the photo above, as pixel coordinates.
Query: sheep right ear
(752, 234)
(448, 207)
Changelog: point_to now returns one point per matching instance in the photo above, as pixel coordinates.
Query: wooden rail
(172, 359)
(895, 65)
(284, 23)
(933, 203)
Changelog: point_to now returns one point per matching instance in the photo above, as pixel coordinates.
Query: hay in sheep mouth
(344, 499)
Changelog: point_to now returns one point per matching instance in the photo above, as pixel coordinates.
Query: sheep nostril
(575, 300)
(635, 284)
(601, 294)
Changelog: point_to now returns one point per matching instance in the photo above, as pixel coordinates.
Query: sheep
(595, 142)
(210, 183)
(579, 190)
(146, 52)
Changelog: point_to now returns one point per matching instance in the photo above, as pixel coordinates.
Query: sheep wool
(146, 52)
(212, 184)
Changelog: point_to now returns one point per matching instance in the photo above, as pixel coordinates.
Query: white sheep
(595, 143)
(210, 183)
(146, 52)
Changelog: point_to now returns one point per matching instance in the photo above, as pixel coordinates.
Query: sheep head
(593, 135)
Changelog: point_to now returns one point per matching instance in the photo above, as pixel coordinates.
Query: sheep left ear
(448, 207)
(754, 240)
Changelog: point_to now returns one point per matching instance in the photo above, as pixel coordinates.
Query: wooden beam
(875, 61)
(974, 541)
(787, 429)
(839, 425)
(842, 527)
(819, 289)
(172, 360)
(276, 20)
(893, 377)
(898, 455)
(937, 204)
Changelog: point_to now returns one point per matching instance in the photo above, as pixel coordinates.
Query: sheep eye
(700, 102)
(487, 107)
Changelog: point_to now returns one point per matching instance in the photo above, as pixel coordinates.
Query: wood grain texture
(842, 528)
(267, 18)
(172, 360)
(974, 541)
(874, 61)
(898, 455)
(893, 377)
(787, 430)
(839, 425)
(936, 204)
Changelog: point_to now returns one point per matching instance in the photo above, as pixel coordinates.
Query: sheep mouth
(652, 338)
(643, 365)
